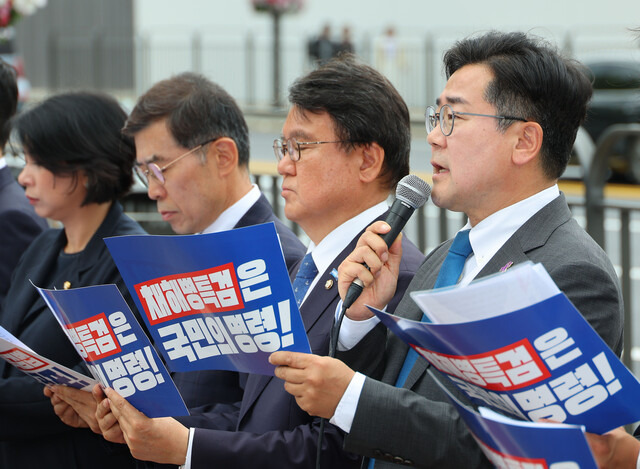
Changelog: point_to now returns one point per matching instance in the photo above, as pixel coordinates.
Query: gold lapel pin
(66, 285)
(328, 284)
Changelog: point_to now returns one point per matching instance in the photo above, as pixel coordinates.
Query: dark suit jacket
(270, 430)
(417, 424)
(208, 388)
(31, 435)
(20, 225)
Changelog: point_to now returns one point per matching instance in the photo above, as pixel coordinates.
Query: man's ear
(528, 144)
(225, 154)
(372, 160)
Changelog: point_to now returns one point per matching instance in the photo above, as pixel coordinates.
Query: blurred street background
(122, 47)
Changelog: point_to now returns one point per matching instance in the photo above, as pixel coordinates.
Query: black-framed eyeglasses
(446, 118)
(158, 172)
(291, 147)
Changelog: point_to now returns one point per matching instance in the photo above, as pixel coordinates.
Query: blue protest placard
(543, 361)
(108, 337)
(213, 301)
(519, 444)
(43, 370)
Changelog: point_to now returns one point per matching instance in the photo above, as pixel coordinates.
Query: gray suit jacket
(416, 425)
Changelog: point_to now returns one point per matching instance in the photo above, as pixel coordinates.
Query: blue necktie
(449, 274)
(304, 277)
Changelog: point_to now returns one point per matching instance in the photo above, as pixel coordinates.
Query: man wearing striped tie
(501, 135)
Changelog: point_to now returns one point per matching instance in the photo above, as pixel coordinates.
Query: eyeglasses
(157, 172)
(446, 117)
(291, 147)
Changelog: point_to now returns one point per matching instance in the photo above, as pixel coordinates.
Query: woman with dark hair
(77, 165)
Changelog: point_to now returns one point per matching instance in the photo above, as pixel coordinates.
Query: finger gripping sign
(114, 347)
(213, 301)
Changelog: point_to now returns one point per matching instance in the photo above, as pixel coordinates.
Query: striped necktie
(304, 277)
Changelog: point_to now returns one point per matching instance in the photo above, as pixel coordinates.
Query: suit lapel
(258, 213)
(320, 298)
(533, 234)
(510, 254)
(87, 258)
(416, 372)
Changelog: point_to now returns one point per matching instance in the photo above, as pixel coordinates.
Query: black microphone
(411, 194)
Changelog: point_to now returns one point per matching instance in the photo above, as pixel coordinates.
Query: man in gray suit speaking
(501, 135)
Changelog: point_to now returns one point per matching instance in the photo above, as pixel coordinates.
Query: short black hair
(197, 110)
(364, 107)
(8, 100)
(531, 79)
(81, 131)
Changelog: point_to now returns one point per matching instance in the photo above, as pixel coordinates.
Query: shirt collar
(232, 215)
(488, 236)
(334, 243)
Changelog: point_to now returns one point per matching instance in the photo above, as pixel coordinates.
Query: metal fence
(242, 62)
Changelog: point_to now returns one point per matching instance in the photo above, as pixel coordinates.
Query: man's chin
(180, 229)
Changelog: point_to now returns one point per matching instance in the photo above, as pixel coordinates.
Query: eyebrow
(452, 100)
(299, 135)
(151, 159)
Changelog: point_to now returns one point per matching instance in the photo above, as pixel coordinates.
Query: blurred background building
(124, 46)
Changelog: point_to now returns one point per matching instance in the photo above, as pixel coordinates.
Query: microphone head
(413, 191)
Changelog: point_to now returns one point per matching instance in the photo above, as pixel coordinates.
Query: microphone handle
(354, 291)
(397, 218)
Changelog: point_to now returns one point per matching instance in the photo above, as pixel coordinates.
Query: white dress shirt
(334, 243)
(228, 219)
(486, 238)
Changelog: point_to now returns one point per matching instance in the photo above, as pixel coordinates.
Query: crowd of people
(323, 47)
(501, 134)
